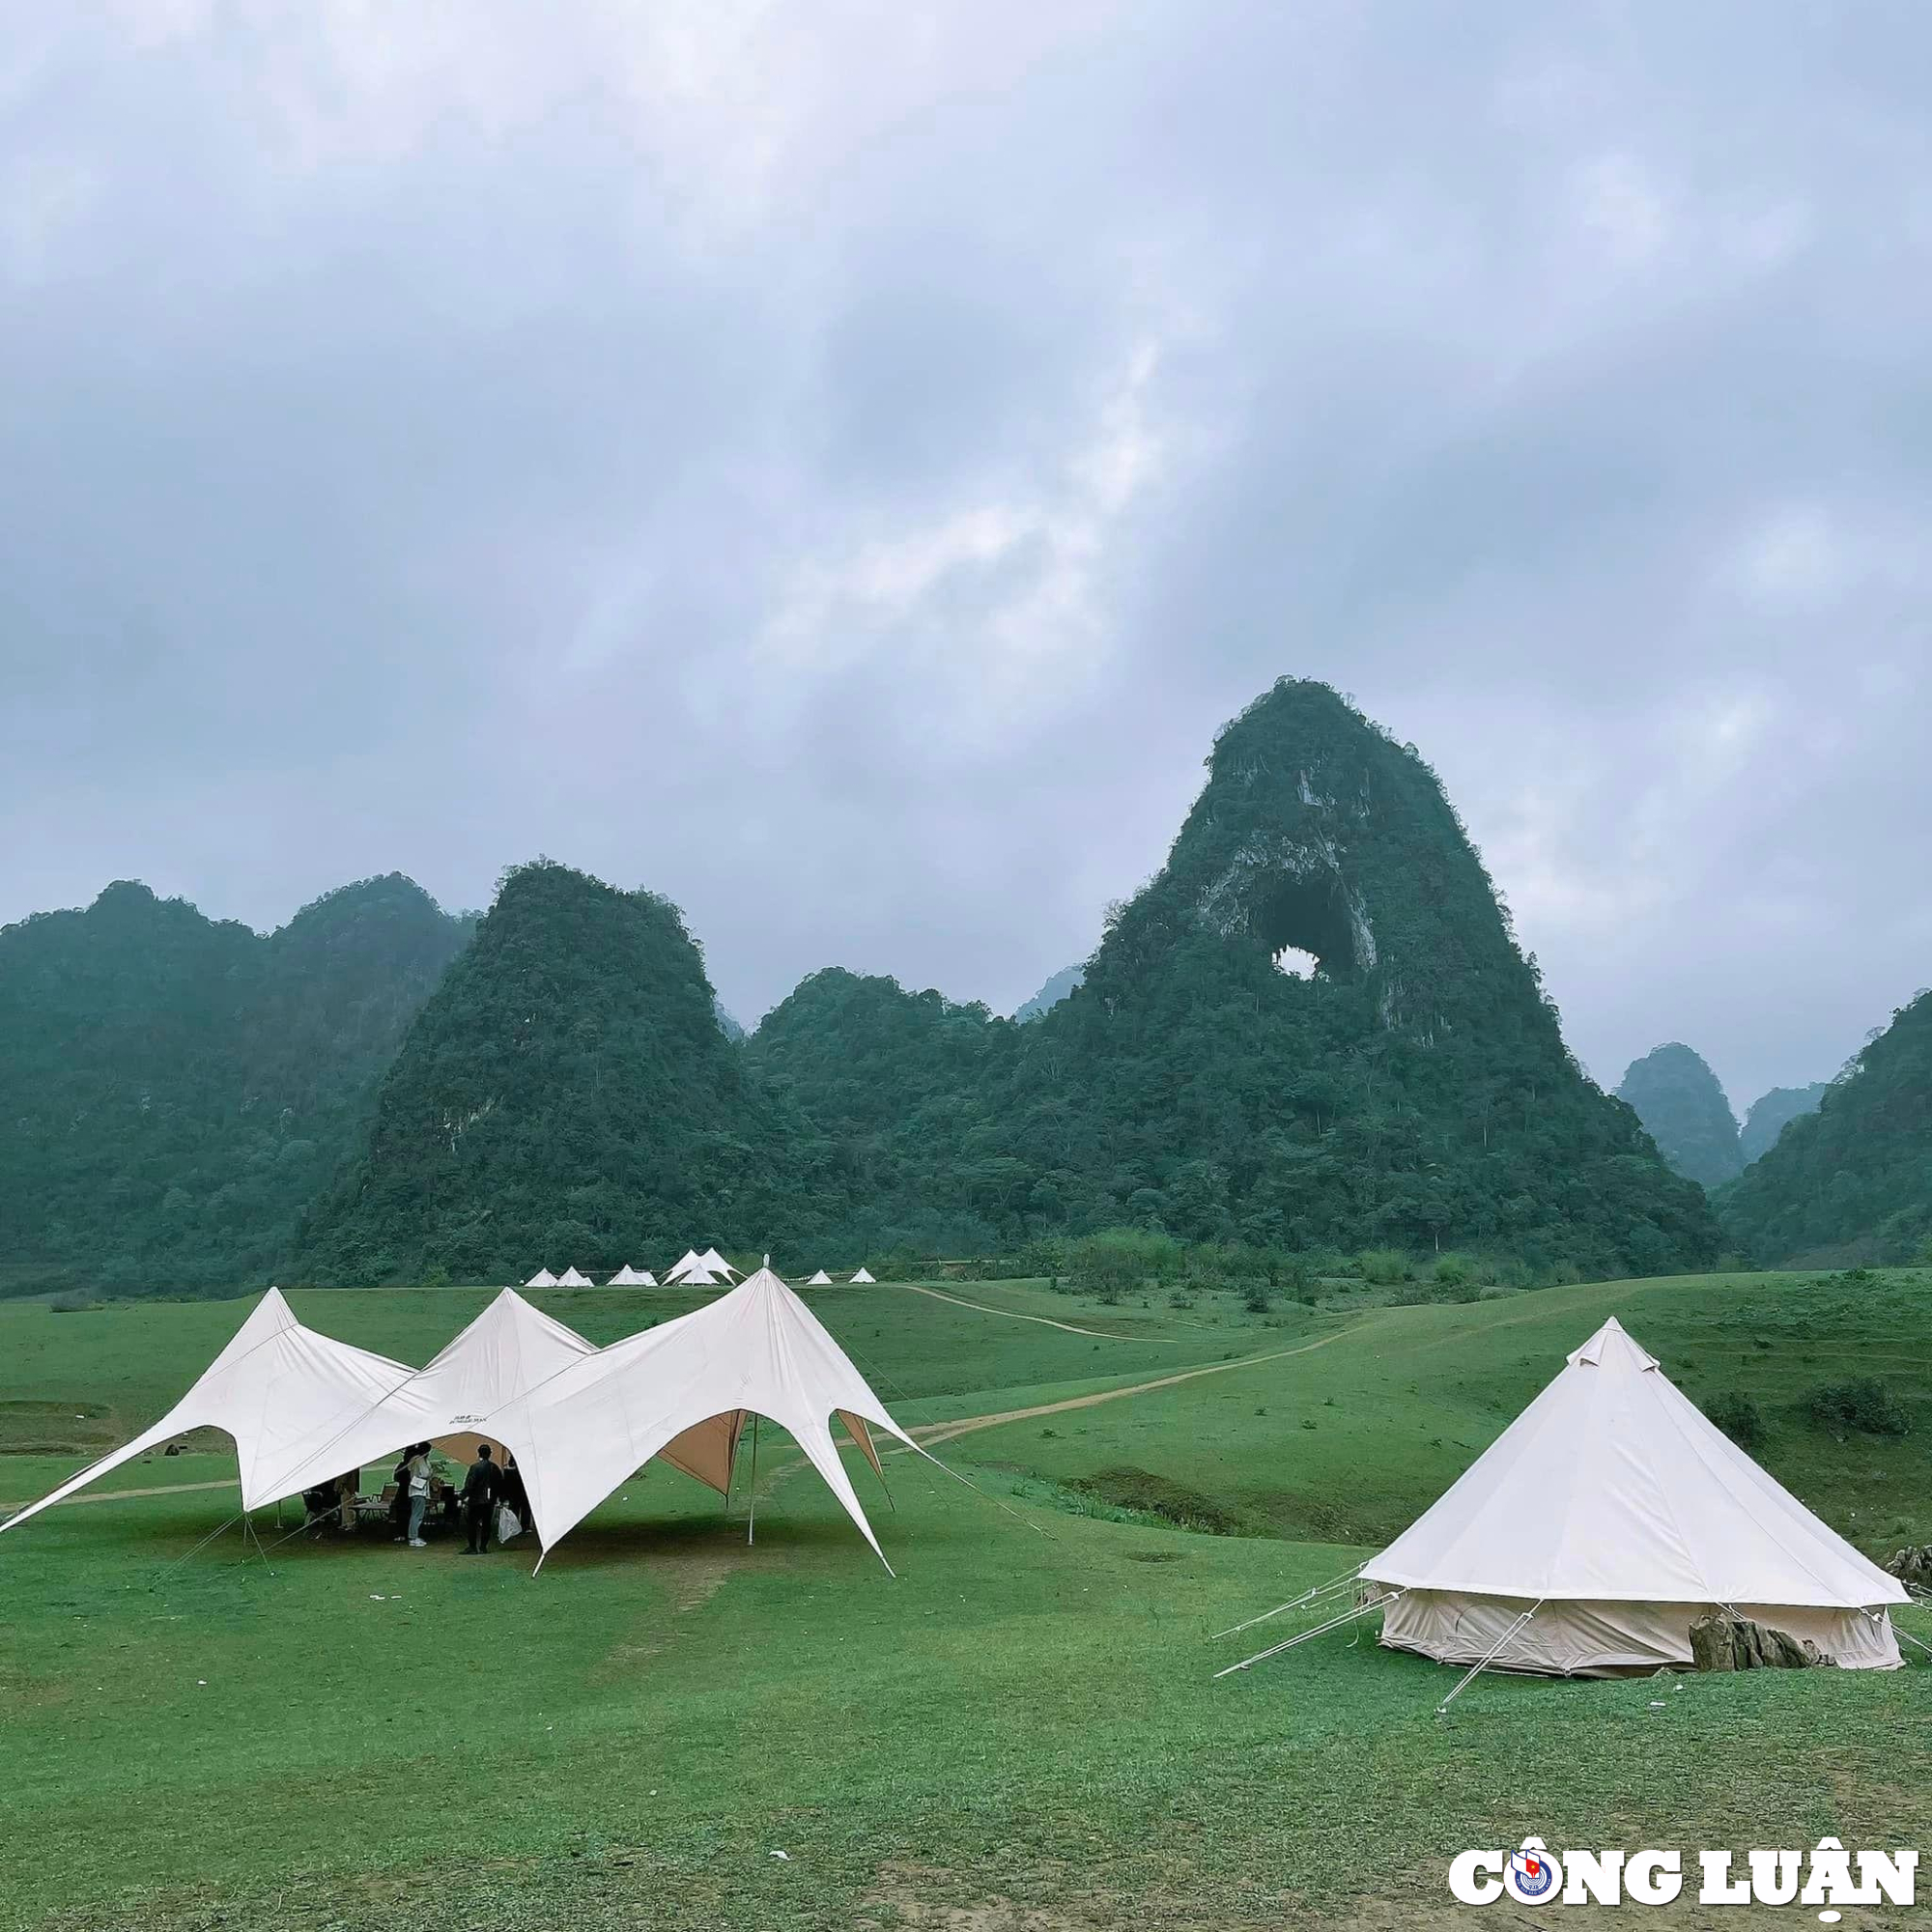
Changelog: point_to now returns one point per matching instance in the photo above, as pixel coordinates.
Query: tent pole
(751, 1520)
(1496, 1650)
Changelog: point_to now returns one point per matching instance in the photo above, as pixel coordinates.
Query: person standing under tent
(416, 1488)
(480, 1489)
(399, 1505)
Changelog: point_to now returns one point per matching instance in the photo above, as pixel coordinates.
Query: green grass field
(1021, 1730)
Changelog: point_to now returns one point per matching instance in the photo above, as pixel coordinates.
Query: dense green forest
(1312, 1031)
(567, 1096)
(1852, 1181)
(177, 1089)
(1770, 1113)
(1682, 1105)
(1414, 1090)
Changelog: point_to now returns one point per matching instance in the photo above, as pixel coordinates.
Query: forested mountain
(1414, 1090)
(1852, 1182)
(177, 1089)
(566, 1097)
(1770, 1113)
(1050, 995)
(1680, 1101)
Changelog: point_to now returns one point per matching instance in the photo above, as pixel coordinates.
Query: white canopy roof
(277, 1388)
(693, 1277)
(509, 1348)
(820, 1280)
(689, 1259)
(684, 1391)
(543, 1278)
(629, 1277)
(1612, 1486)
(862, 1275)
(717, 1264)
(570, 1278)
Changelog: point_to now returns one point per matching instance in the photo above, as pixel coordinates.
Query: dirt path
(1044, 1321)
(127, 1495)
(945, 1432)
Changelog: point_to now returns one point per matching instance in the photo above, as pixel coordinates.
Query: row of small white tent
(709, 1270)
(580, 1421)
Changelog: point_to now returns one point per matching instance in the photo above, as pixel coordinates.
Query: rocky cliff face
(1679, 1100)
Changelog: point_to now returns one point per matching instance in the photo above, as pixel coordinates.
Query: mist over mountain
(1852, 1181)
(1682, 1105)
(178, 1087)
(1770, 1113)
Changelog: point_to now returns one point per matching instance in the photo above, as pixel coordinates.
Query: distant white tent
(684, 1391)
(509, 1348)
(543, 1278)
(717, 1264)
(1606, 1519)
(570, 1278)
(820, 1280)
(689, 1259)
(697, 1277)
(629, 1277)
(862, 1275)
(277, 1389)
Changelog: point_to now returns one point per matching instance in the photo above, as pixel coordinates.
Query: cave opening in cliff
(1305, 924)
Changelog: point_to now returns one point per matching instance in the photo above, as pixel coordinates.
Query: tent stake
(1496, 1650)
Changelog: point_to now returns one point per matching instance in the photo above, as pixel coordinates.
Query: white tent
(695, 1277)
(689, 1259)
(509, 1348)
(543, 1278)
(570, 1278)
(685, 1391)
(862, 1275)
(277, 1388)
(717, 1264)
(820, 1280)
(629, 1277)
(1617, 1512)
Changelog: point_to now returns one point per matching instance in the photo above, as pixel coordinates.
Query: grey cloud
(841, 475)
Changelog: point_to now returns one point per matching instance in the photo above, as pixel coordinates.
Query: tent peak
(1612, 1346)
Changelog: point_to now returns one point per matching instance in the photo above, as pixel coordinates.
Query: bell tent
(1603, 1522)
(629, 1277)
(277, 1389)
(820, 1280)
(685, 1391)
(543, 1278)
(862, 1275)
(570, 1278)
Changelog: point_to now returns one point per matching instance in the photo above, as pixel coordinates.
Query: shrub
(1384, 1266)
(1739, 1417)
(1255, 1301)
(1865, 1404)
(1453, 1270)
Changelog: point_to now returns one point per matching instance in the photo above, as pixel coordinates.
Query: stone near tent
(1912, 1567)
(1720, 1642)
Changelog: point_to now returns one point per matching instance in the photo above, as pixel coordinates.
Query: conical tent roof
(629, 1277)
(862, 1275)
(717, 1264)
(277, 1388)
(509, 1348)
(820, 1280)
(693, 1277)
(685, 1390)
(1612, 1486)
(543, 1278)
(689, 1259)
(570, 1278)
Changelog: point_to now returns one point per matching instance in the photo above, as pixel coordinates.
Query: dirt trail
(1044, 1321)
(128, 1495)
(945, 1432)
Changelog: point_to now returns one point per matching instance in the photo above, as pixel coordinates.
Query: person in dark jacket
(481, 1489)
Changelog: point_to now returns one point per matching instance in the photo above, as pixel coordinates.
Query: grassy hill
(1024, 1720)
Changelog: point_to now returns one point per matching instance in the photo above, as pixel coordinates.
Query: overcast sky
(837, 466)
